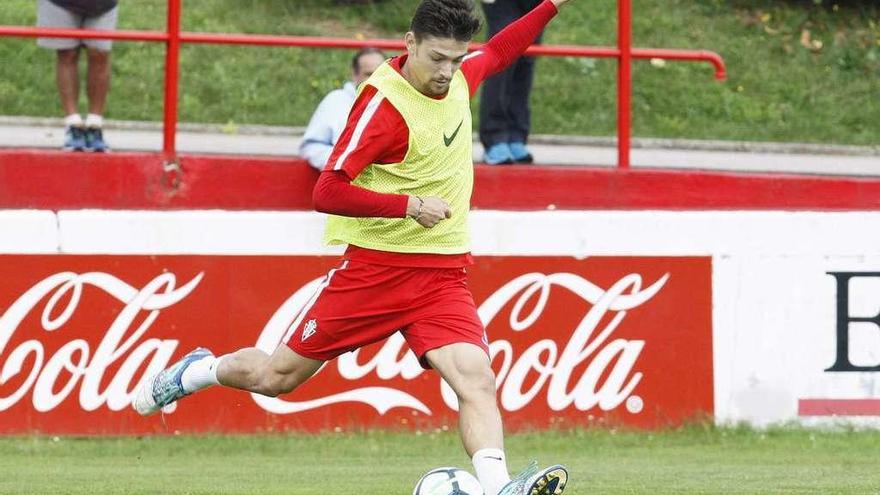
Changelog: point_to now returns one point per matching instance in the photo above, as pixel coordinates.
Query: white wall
(28, 232)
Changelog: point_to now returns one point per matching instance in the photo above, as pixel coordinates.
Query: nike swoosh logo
(448, 140)
(496, 458)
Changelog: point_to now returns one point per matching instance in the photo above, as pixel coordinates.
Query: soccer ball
(448, 481)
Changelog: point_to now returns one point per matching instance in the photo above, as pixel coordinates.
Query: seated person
(329, 118)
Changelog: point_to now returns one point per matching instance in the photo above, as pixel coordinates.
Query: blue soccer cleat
(534, 481)
(165, 387)
(498, 154)
(516, 486)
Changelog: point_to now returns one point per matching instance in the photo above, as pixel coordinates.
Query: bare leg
(67, 78)
(247, 369)
(253, 370)
(466, 368)
(98, 80)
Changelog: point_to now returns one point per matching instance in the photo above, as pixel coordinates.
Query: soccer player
(398, 187)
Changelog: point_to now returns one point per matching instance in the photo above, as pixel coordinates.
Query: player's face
(432, 62)
(367, 64)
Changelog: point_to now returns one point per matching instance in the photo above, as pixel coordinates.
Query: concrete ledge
(544, 139)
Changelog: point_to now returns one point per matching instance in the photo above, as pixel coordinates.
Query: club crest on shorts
(310, 329)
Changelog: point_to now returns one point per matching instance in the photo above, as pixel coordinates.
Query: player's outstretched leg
(534, 481)
(166, 387)
(249, 369)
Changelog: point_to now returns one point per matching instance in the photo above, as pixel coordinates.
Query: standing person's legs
(66, 74)
(494, 121)
(66, 68)
(518, 106)
(98, 81)
(98, 86)
(98, 78)
(99, 60)
(67, 78)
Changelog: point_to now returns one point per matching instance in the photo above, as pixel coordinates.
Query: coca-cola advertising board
(574, 342)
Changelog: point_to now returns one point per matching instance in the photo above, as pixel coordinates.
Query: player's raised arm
(509, 44)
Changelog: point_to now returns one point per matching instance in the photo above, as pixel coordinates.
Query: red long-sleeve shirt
(378, 134)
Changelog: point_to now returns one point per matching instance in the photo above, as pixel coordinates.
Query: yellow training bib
(439, 162)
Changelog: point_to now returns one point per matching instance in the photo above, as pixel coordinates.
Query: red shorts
(360, 303)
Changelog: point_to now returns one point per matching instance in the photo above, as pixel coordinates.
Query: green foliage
(805, 70)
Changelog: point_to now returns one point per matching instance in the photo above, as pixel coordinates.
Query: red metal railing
(173, 38)
(624, 81)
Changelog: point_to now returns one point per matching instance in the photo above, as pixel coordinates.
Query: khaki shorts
(52, 16)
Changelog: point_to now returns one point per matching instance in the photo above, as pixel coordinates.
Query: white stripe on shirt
(371, 108)
(472, 55)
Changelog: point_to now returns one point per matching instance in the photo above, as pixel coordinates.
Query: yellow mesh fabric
(438, 163)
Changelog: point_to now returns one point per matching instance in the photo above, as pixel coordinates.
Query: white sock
(94, 120)
(200, 374)
(491, 468)
(73, 120)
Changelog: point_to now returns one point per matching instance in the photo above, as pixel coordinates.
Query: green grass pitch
(700, 460)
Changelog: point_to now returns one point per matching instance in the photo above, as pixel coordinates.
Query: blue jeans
(504, 105)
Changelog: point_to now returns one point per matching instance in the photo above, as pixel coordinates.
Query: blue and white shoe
(520, 153)
(534, 481)
(165, 387)
(95, 140)
(74, 138)
(498, 154)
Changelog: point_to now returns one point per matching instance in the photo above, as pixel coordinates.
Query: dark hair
(356, 60)
(445, 19)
